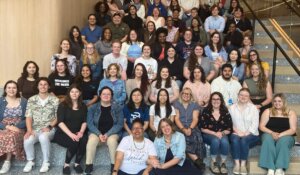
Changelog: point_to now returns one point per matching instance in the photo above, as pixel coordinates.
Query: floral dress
(10, 141)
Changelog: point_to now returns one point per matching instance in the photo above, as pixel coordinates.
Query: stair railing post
(274, 66)
(253, 31)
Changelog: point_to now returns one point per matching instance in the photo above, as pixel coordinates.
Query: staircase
(287, 81)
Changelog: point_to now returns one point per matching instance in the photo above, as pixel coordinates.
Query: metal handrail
(276, 45)
(292, 8)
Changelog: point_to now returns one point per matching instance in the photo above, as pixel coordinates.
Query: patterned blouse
(42, 114)
(207, 121)
(13, 112)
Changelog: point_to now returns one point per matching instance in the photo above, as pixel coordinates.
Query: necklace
(138, 147)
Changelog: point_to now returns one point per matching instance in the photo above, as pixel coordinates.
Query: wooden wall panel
(32, 30)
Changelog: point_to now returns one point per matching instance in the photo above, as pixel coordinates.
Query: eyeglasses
(186, 94)
(252, 55)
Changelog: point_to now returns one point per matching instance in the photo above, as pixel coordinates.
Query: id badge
(230, 101)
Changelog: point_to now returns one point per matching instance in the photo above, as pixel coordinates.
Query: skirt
(195, 144)
(10, 141)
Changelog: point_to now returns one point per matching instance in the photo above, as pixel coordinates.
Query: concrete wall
(32, 30)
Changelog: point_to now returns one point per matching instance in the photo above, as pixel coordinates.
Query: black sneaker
(78, 169)
(66, 170)
(199, 164)
(112, 168)
(88, 168)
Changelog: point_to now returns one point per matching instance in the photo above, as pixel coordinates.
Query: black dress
(186, 169)
(73, 119)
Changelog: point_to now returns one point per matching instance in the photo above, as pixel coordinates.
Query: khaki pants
(93, 142)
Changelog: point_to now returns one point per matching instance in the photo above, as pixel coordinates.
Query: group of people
(155, 90)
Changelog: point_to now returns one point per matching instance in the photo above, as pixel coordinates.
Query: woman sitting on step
(12, 124)
(245, 119)
(279, 125)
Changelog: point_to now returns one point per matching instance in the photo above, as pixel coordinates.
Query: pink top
(200, 91)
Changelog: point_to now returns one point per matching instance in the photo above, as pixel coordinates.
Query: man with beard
(227, 86)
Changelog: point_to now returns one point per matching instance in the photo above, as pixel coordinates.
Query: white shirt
(135, 154)
(162, 115)
(246, 120)
(229, 89)
(150, 64)
(121, 61)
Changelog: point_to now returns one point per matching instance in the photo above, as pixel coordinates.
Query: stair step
(258, 28)
(269, 46)
(253, 168)
(58, 155)
(267, 40)
(287, 79)
(284, 70)
(270, 53)
(281, 61)
(263, 33)
(287, 88)
(255, 151)
(292, 98)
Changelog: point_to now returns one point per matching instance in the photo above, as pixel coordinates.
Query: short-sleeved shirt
(121, 61)
(186, 114)
(207, 121)
(169, 89)
(135, 154)
(162, 114)
(150, 64)
(89, 89)
(92, 36)
(141, 113)
(42, 112)
(60, 84)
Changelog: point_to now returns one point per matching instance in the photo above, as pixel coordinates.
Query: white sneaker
(45, 167)
(5, 167)
(279, 172)
(28, 166)
(270, 172)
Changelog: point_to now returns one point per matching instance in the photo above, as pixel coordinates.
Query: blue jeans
(240, 145)
(217, 146)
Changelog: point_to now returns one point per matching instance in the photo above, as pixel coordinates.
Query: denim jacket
(93, 118)
(3, 104)
(209, 52)
(177, 147)
(118, 88)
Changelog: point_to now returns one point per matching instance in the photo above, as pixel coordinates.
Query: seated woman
(149, 36)
(135, 108)
(245, 119)
(27, 81)
(41, 112)
(260, 88)
(201, 89)
(149, 62)
(104, 45)
(71, 132)
(12, 124)
(102, 18)
(104, 121)
(171, 147)
(164, 81)
(198, 32)
(92, 58)
(76, 43)
(132, 49)
(187, 114)
(253, 57)
(215, 51)
(197, 58)
(134, 152)
(87, 85)
(140, 80)
(216, 125)
(279, 125)
(160, 45)
(114, 82)
(234, 58)
(174, 64)
(156, 17)
(60, 79)
(64, 54)
(246, 48)
(161, 109)
(173, 32)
